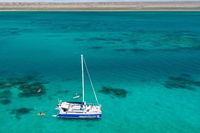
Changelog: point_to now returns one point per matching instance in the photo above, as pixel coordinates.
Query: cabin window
(64, 109)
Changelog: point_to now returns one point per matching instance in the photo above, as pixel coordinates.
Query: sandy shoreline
(101, 6)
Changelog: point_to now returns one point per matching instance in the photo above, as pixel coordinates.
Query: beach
(101, 6)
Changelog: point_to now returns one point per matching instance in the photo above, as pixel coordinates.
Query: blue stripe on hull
(83, 116)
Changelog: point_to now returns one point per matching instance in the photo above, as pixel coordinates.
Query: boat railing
(92, 104)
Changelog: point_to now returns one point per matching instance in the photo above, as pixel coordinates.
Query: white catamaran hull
(81, 116)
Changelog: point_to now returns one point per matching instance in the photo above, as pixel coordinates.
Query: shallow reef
(29, 86)
(5, 94)
(184, 81)
(5, 101)
(120, 93)
(31, 89)
(13, 31)
(133, 42)
(20, 111)
(97, 39)
(5, 84)
(115, 39)
(169, 41)
(105, 39)
(14, 81)
(95, 47)
(5, 97)
(135, 50)
(185, 75)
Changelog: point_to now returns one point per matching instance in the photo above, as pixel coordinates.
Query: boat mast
(82, 77)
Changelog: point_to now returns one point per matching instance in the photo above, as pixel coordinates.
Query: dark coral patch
(97, 39)
(105, 39)
(20, 111)
(5, 101)
(15, 81)
(5, 94)
(95, 47)
(29, 78)
(5, 97)
(115, 39)
(182, 82)
(185, 75)
(32, 89)
(121, 93)
(28, 85)
(134, 42)
(13, 31)
(12, 82)
(135, 50)
(4, 84)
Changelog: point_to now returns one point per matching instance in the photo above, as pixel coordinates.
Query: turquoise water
(153, 56)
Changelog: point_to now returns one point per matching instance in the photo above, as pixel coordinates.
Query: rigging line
(90, 81)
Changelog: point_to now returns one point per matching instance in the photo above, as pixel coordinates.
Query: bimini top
(77, 102)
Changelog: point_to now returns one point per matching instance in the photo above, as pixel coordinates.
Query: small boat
(41, 114)
(76, 96)
(81, 109)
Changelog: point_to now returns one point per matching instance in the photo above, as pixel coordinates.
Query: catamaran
(80, 109)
